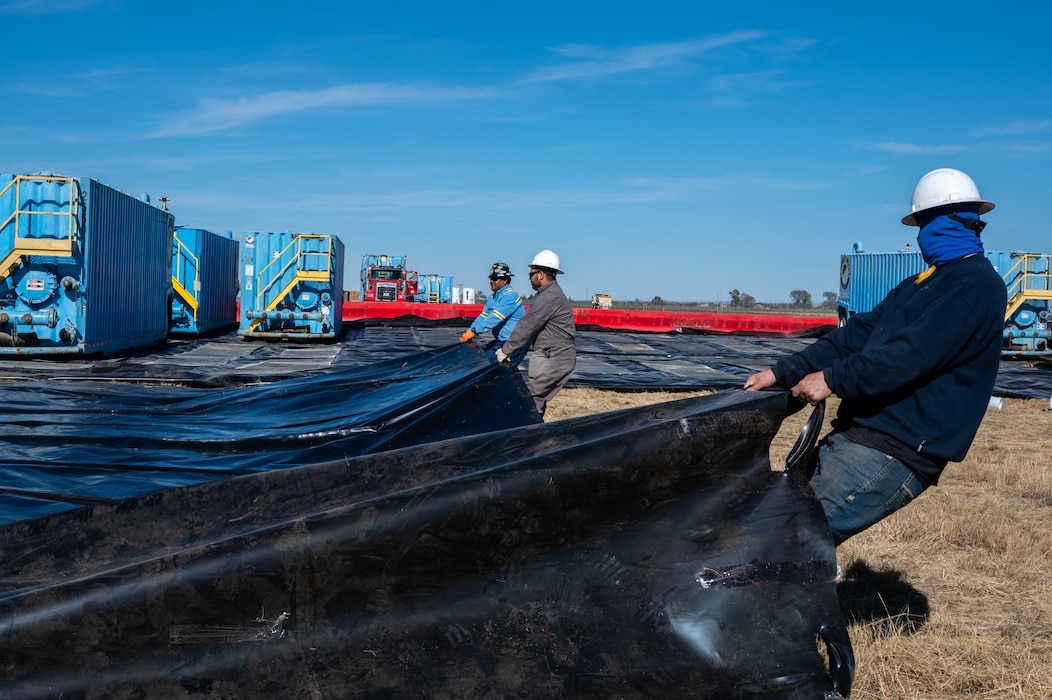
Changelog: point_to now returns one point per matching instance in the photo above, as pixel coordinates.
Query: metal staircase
(295, 264)
(184, 266)
(1028, 280)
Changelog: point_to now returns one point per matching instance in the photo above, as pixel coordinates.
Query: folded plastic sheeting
(67, 444)
(650, 552)
(605, 360)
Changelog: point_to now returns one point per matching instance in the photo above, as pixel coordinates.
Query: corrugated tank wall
(127, 246)
(218, 296)
(873, 275)
(337, 291)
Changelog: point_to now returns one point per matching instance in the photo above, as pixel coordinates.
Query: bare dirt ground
(950, 597)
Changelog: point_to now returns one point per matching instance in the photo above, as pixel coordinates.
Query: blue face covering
(941, 239)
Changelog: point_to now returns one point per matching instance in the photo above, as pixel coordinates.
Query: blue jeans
(859, 486)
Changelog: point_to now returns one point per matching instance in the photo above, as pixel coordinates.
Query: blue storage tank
(204, 281)
(291, 285)
(1028, 318)
(866, 278)
(436, 289)
(85, 268)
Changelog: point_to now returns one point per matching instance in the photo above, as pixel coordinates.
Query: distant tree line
(798, 299)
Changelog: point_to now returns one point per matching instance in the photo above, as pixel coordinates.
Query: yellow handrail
(25, 245)
(74, 202)
(1025, 283)
(189, 297)
(301, 274)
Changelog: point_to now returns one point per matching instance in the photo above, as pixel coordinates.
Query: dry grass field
(950, 597)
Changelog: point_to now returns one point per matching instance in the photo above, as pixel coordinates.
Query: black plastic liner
(1025, 379)
(67, 443)
(649, 552)
(605, 360)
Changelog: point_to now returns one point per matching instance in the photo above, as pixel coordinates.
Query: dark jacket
(921, 366)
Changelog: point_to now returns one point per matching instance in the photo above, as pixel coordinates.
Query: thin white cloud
(786, 184)
(1016, 128)
(641, 190)
(757, 81)
(82, 84)
(916, 149)
(1032, 147)
(46, 7)
(597, 61)
(672, 187)
(437, 198)
(214, 115)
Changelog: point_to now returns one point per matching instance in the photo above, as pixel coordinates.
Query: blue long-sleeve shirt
(921, 366)
(500, 314)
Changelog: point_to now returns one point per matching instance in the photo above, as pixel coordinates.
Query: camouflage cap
(500, 271)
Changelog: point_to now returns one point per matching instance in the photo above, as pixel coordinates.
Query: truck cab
(385, 278)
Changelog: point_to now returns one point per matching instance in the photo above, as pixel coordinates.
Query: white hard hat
(943, 187)
(546, 259)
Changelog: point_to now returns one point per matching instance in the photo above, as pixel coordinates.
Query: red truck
(387, 278)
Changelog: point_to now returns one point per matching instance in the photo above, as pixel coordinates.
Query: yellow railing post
(301, 274)
(24, 245)
(1026, 283)
(189, 296)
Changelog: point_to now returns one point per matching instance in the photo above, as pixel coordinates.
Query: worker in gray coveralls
(549, 325)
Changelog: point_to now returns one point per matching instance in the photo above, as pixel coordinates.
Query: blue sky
(661, 149)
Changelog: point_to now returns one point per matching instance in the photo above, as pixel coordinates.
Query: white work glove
(501, 355)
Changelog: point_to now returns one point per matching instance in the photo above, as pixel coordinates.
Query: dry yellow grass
(952, 596)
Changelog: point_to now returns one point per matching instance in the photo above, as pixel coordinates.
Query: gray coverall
(549, 325)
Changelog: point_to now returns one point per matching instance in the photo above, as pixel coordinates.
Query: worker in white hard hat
(502, 310)
(914, 375)
(547, 326)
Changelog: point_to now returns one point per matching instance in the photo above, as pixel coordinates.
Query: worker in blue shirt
(914, 375)
(502, 310)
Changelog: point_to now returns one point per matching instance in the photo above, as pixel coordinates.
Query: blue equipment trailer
(84, 268)
(291, 285)
(436, 289)
(204, 281)
(865, 279)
